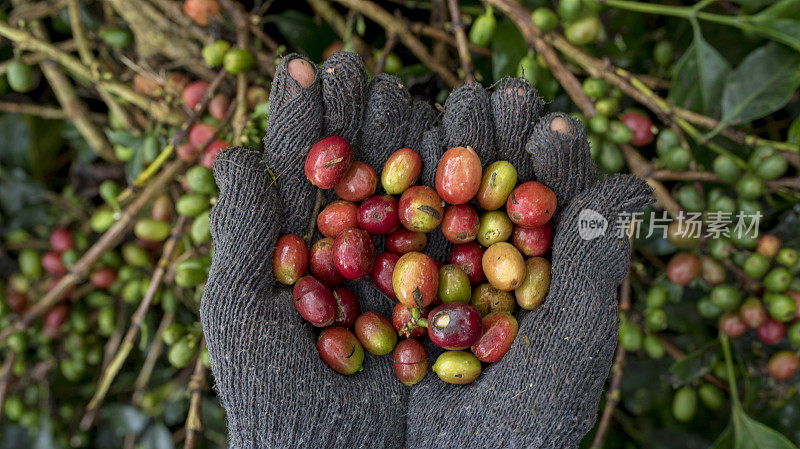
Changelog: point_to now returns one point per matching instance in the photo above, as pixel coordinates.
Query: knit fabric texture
(275, 389)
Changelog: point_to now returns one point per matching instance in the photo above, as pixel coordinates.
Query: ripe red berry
(61, 240)
(640, 125)
(193, 93)
(103, 277)
(328, 161)
(771, 332)
(531, 204)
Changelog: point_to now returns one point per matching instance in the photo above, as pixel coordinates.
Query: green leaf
(508, 47)
(124, 419)
(301, 31)
(751, 434)
(780, 22)
(695, 364)
(698, 79)
(157, 436)
(763, 83)
(723, 441)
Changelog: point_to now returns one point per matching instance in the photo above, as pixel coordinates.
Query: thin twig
(5, 379)
(136, 323)
(197, 385)
(461, 40)
(380, 64)
(43, 111)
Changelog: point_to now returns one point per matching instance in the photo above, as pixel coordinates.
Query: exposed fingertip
(301, 71)
(559, 125)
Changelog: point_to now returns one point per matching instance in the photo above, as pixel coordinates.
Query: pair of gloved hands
(276, 390)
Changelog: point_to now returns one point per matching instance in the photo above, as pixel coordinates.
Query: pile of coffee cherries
(465, 307)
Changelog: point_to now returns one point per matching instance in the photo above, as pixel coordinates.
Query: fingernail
(301, 71)
(559, 125)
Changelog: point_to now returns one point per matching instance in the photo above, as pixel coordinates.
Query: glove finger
(386, 116)
(516, 107)
(344, 86)
(243, 228)
(561, 156)
(295, 124)
(467, 121)
(423, 118)
(431, 151)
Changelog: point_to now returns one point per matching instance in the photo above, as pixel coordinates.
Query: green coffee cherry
(722, 204)
(781, 307)
(684, 404)
(793, 334)
(595, 88)
(778, 279)
(200, 179)
(182, 352)
(528, 69)
(750, 187)
(14, 407)
(72, 368)
(200, 232)
(135, 256)
(20, 76)
(123, 153)
(191, 204)
(667, 139)
(690, 198)
(726, 297)
(663, 53)
(583, 31)
(482, 30)
(598, 124)
(711, 396)
(707, 309)
(655, 320)
(653, 347)
(238, 60)
(101, 220)
(30, 264)
(611, 158)
(544, 19)
(173, 333)
(630, 336)
(69, 258)
(153, 230)
(569, 9)
(656, 297)
(214, 53)
(677, 158)
(117, 37)
(606, 106)
(106, 320)
(787, 257)
(772, 167)
(756, 265)
(109, 190)
(619, 133)
(190, 273)
(726, 168)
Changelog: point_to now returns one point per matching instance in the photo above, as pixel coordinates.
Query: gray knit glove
(276, 390)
